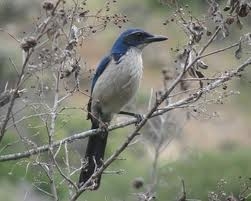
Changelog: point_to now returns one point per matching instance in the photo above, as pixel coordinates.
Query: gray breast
(118, 84)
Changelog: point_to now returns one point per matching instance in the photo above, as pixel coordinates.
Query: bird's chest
(119, 82)
(130, 71)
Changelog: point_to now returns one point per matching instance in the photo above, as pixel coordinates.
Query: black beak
(155, 38)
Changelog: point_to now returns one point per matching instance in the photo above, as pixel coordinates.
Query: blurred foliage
(15, 10)
(202, 172)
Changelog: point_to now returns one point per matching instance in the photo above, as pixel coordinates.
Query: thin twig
(14, 95)
(219, 50)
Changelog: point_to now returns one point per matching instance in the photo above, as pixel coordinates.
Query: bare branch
(181, 103)
(5, 97)
(14, 94)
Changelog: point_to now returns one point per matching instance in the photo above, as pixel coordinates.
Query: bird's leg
(139, 117)
(103, 126)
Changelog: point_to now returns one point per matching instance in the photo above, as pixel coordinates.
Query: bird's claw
(139, 118)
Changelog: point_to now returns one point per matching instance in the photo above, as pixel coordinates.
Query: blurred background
(208, 149)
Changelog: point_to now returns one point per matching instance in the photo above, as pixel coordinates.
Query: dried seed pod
(201, 64)
(209, 33)
(138, 182)
(229, 4)
(199, 74)
(224, 87)
(48, 5)
(244, 10)
(230, 20)
(28, 42)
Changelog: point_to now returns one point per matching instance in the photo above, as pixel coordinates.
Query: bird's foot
(139, 117)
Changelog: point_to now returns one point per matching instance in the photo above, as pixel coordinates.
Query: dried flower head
(48, 5)
(28, 42)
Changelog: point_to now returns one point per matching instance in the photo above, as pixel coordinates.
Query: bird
(114, 84)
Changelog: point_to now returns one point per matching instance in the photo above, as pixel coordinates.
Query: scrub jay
(114, 84)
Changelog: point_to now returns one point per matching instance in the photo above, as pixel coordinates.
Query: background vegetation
(211, 153)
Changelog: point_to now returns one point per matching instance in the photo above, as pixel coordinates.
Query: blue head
(134, 38)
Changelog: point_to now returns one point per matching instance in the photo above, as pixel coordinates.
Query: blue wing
(100, 69)
(103, 64)
(117, 57)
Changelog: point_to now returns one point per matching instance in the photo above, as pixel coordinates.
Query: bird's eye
(139, 34)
